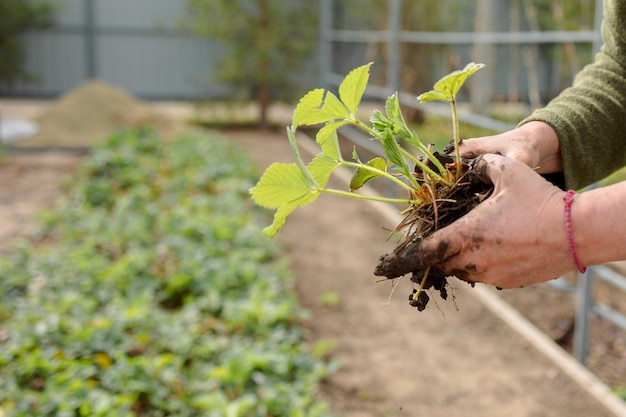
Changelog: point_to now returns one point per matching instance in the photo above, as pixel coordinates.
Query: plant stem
(368, 197)
(291, 134)
(379, 172)
(412, 157)
(375, 134)
(368, 129)
(457, 136)
(421, 287)
(415, 140)
(425, 167)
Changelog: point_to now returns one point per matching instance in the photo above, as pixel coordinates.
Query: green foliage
(16, 17)
(267, 40)
(330, 299)
(447, 87)
(285, 187)
(361, 176)
(158, 297)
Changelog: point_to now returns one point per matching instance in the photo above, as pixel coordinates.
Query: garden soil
(454, 359)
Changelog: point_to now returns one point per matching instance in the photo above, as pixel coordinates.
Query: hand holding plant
(437, 186)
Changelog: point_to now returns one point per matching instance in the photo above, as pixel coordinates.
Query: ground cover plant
(158, 295)
(440, 188)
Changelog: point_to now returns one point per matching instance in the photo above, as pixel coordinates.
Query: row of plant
(156, 294)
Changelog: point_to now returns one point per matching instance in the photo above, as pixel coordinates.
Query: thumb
(441, 245)
(499, 170)
(417, 254)
(473, 148)
(454, 238)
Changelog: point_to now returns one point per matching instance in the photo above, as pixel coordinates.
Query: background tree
(267, 40)
(16, 17)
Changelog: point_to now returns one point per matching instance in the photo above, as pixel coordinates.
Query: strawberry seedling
(437, 186)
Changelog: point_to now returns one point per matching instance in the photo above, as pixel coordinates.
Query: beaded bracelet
(568, 198)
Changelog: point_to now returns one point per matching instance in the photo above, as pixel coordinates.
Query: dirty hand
(514, 238)
(534, 143)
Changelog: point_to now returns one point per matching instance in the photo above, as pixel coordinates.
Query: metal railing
(586, 307)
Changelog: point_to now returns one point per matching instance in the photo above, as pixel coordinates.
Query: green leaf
(432, 96)
(392, 152)
(353, 86)
(327, 139)
(447, 87)
(285, 187)
(279, 185)
(284, 211)
(396, 119)
(361, 175)
(318, 106)
(452, 83)
(320, 169)
(392, 108)
(334, 106)
(379, 122)
(307, 109)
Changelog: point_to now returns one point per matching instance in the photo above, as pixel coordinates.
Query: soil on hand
(449, 204)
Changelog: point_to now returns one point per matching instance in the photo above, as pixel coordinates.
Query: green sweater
(590, 116)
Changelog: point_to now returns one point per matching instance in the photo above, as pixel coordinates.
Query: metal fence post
(393, 63)
(584, 305)
(326, 22)
(91, 70)
(599, 14)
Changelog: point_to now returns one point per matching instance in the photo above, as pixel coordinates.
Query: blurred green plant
(159, 296)
(16, 17)
(330, 299)
(266, 39)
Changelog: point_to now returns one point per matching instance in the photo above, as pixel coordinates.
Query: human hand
(535, 144)
(514, 238)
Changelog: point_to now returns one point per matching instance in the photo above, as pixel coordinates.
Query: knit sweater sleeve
(590, 116)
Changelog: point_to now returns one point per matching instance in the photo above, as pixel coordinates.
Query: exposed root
(448, 204)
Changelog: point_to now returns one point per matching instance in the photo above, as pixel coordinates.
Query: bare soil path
(396, 361)
(30, 183)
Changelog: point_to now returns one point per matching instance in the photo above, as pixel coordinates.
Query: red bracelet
(568, 198)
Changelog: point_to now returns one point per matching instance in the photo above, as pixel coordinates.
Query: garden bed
(159, 295)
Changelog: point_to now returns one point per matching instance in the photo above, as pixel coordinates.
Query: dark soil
(452, 203)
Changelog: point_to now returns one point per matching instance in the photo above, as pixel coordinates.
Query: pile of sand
(89, 114)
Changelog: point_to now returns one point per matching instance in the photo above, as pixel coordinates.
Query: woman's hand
(514, 238)
(534, 143)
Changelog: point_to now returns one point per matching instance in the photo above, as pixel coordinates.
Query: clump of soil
(453, 202)
(88, 114)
